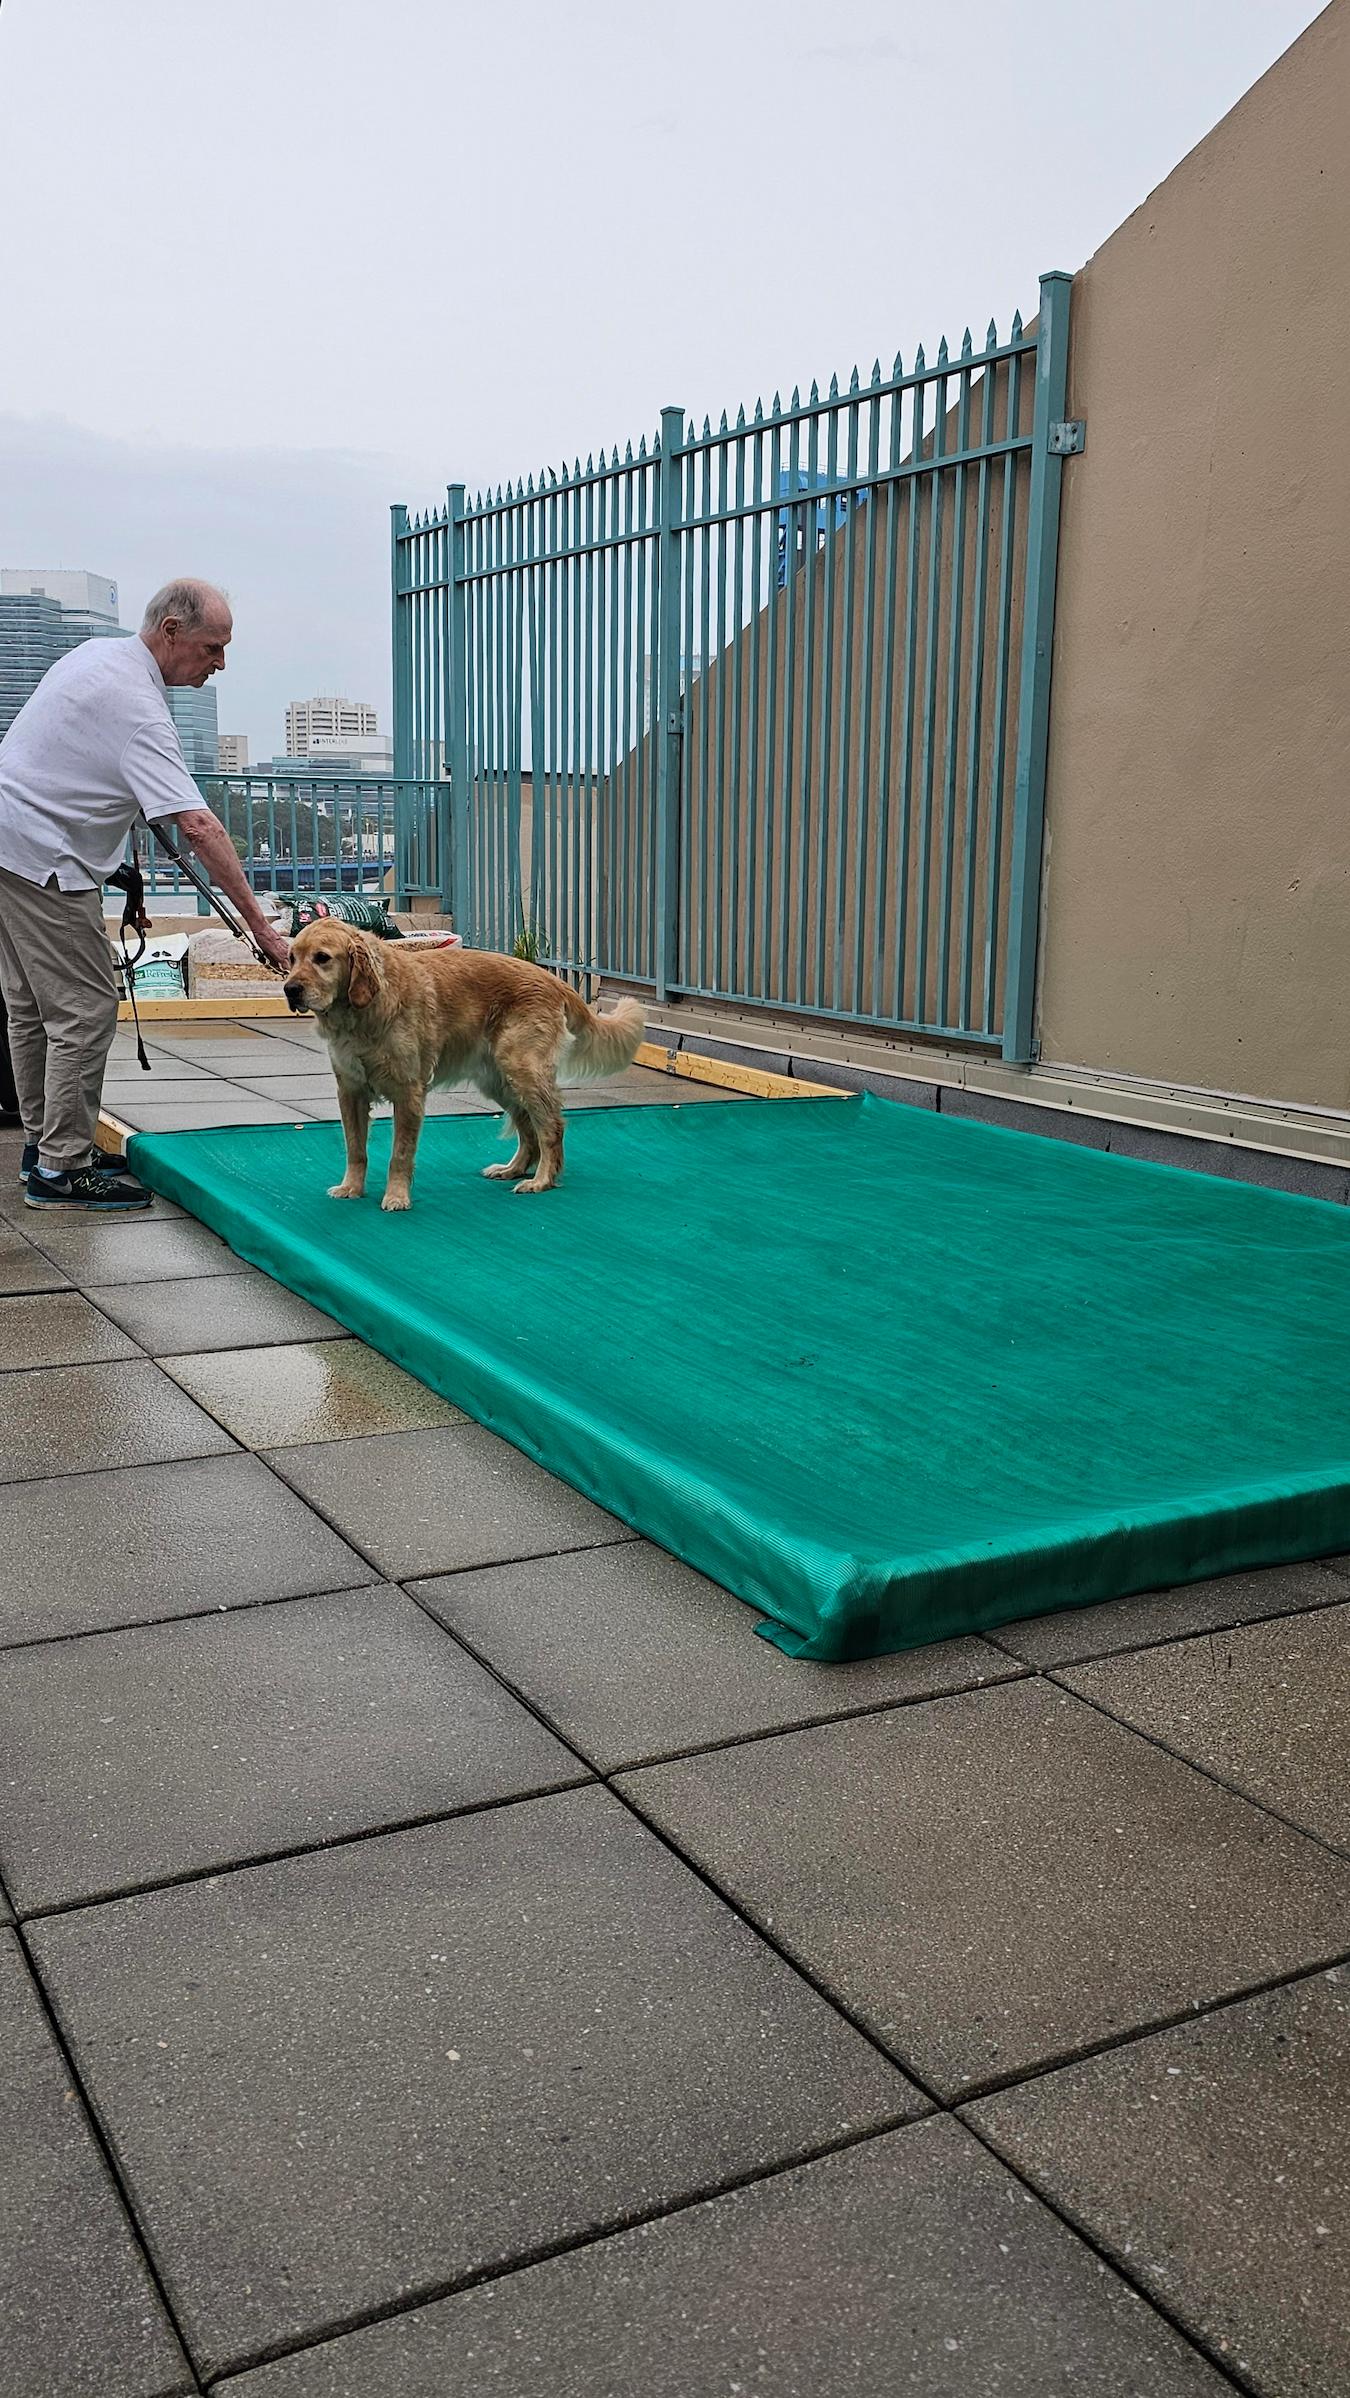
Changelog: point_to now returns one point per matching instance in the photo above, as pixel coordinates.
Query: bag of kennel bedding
(366, 915)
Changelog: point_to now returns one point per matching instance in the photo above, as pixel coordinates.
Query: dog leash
(130, 880)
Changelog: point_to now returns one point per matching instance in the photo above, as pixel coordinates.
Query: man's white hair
(188, 600)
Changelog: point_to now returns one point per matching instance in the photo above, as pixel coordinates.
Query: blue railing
(376, 835)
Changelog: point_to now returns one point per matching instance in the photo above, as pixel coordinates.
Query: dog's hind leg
(409, 1109)
(540, 1103)
(355, 1107)
(527, 1147)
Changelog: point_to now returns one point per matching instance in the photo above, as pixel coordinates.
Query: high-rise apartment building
(44, 613)
(194, 716)
(340, 722)
(232, 753)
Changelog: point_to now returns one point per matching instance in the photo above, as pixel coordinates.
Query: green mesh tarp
(887, 1376)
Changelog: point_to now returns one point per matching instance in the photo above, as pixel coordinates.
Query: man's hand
(277, 947)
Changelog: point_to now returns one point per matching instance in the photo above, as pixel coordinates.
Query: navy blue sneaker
(89, 1188)
(108, 1161)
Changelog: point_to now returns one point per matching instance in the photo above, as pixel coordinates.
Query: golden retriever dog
(397, 1022)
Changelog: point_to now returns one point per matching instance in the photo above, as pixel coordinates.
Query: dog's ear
(365, 976)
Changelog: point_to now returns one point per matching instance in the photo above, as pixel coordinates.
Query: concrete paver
(58, 1329)
(308, 1391)
(271, 1728)
(215, 1311)
(1001, 1879)
(1264, 1707)
(81, 2312)
(83, 1417)
(911, 2265)
(633, 1655)
(95, 1550)
(429, 1502)
(1162, 1615)
(347, 2079)
(1214, 2161)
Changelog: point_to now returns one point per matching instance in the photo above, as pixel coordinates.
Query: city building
(336, 720)
(44, 613)
(232, 753)
(374, 755)
(194, 716)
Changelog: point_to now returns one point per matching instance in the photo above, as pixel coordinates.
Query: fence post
(457, 898)
(1033, 707)
(668, 706)
(402, 658)
(398, 534)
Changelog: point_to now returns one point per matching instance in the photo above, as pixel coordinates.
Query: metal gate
(759, 714)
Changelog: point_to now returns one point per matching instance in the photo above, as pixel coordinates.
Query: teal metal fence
(297, 833)
(760, 713)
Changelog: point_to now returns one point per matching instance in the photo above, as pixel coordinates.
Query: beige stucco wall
(1197, 919)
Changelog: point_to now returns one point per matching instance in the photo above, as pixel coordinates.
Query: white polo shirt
(90, 750)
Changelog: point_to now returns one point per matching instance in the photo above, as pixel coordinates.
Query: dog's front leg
(409, 1108)
(355, 1106)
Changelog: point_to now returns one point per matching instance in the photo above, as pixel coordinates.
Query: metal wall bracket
(1067, 437)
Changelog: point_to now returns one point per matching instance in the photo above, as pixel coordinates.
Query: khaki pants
(56, 969)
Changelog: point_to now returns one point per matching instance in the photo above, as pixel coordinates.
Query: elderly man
(89, 752)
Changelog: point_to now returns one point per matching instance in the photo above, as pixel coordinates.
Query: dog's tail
(595, 1045)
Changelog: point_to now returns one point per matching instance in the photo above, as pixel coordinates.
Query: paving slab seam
(188, 1615)
(1155, 1740)
(270, 1457)
(109, 2156)
(543, 2252)
(700, 1748)
(1171, 1640)
(978, 2086)
(229, 1867)
(996, 2084)
(1120, 2267)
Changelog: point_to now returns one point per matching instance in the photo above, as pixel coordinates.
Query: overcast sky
(272, 264)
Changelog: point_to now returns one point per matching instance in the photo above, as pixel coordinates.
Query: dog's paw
(394, 1201)
(499, 1174)
(347, 1190)
(532, 1185)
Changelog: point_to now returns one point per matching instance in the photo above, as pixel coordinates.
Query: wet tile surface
(1214, 2161)
(160, 1090)
(219, 1311)
(430, 1502)
(632, 1655)
(58, 1329)
(1265, 1708)
(998, 1880)
(289, 1090)
(1160, 1615)
(81, 2311)
(390, 2064)
(24, 1267)
(81, 1418)
(99, 1549)
(271, 1728)
(330, 1390)
(142, 1248)
(911, 2265)
(274, 1060)
(204, 1115)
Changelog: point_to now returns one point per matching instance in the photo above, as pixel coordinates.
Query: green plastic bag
(367, 915)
